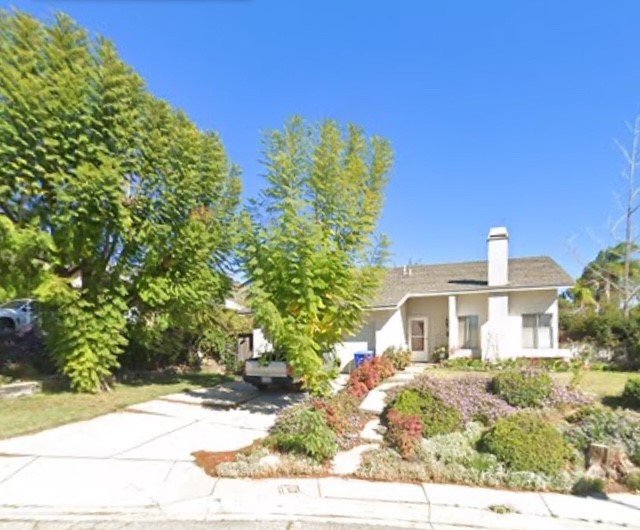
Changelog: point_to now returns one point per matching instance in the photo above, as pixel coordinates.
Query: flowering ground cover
(520, 429)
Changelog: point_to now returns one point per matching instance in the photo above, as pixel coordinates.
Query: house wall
(466, 305)
(530, 302)
(260, 343)
(500, 320)
(390, 329)
(380, 330)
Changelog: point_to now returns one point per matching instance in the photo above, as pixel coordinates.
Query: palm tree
(605, 275)
(583, 296)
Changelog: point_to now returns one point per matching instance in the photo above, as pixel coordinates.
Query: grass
(52, 408)
(502, 509)
(606, 386)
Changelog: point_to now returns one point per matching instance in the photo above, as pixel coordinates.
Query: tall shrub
(311, 251)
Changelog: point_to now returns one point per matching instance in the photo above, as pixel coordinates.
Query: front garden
(519, 428)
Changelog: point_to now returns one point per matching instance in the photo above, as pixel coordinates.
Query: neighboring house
(492, 309)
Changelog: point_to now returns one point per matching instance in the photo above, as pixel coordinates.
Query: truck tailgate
(272, 369)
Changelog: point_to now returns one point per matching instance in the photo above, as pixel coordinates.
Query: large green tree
(607, 277)
(123, 192)
(311, 252)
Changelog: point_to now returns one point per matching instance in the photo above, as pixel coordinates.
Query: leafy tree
(604, 275)
(123, 192)
(581, 295)
(311, 252)
(25, 259)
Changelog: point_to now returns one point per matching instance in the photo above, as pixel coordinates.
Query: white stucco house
(499, 308)
(493, 309)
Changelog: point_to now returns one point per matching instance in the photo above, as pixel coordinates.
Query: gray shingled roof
(524, 273)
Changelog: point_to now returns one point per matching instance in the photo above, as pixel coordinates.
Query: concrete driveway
(138, 457)
(227, 417)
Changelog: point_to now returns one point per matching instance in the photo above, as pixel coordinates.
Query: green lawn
(51, 408)
(605, 385)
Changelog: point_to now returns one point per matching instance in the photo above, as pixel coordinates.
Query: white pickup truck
(267, 370)
(17, 316)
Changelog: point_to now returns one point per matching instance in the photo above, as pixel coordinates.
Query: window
(468, 332)
(537, 331)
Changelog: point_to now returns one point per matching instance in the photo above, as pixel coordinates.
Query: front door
(418, 340)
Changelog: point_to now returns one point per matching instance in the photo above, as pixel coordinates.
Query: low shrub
(592, 424)
(453, 458)
(632, 480)
(365, 373)
(340, 411)
(631, 393)
(404, 433)
(400, 357)
(469, 395)
(383, 366)
(436, 416)
(526, 441)
(522, 388)
(252, 465)
(304, 430)
(588, 486)
(370, 374)
(440, 353)
(551, 365)
(466, 364)
(357, 389)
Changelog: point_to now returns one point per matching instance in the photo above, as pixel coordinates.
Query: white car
(17, 316)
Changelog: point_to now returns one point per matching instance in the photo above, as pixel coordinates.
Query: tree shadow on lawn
(613, 402)
(172, 377)
(60, 384)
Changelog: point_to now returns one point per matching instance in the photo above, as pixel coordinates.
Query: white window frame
(464, 325)
(536, 330)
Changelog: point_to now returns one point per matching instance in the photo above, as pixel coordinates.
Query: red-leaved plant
(404, 433)
(369, 375)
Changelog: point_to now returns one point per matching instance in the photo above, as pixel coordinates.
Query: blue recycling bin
(362, 356)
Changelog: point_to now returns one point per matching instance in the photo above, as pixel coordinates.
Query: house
(493, 309)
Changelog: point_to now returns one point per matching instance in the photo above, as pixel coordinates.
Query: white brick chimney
(498, 256)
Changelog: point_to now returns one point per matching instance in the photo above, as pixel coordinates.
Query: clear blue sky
(500, 112)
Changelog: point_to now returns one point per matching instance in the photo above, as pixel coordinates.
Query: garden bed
(519, 429)
(307, 436)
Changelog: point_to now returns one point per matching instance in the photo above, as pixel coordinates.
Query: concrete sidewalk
(94, 490)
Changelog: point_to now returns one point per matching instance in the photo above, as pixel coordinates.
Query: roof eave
(486, 290)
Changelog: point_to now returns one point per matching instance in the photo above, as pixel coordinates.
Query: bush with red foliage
(384, 366)
(369, 375)
(404, 433)
(366, 373)
(357, 389)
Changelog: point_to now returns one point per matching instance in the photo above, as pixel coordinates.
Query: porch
(452, 323)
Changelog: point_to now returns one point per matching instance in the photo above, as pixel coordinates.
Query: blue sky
(500, 112)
